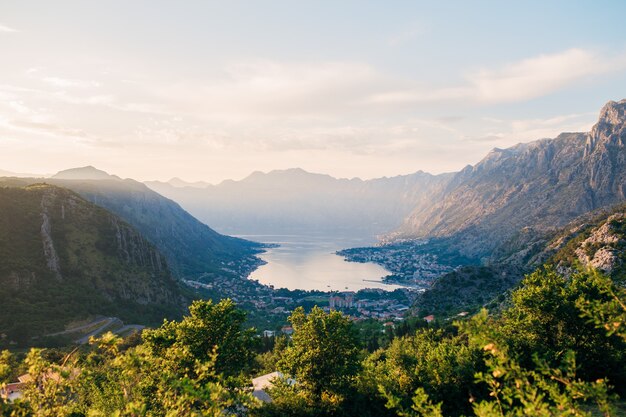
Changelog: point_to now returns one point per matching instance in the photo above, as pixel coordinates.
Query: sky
(214, 90)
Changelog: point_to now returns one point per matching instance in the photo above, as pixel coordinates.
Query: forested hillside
(64, 259)
(191, 248)
(594, 240)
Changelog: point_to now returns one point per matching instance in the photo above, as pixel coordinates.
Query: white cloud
(269, 89)
(518, 81)
(286, 110)
(412, 95)
(505, 133)
(66, 83)
(100, 99)
(19, 107)
(7, 29)
(45, 129)
(262, 89)
(265, 91)
(541, 75)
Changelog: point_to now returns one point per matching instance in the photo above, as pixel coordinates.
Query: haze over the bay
(216, 90)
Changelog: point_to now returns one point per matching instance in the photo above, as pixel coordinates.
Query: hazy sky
(214, 90)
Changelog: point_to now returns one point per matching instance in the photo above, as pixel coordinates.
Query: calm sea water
(310, 263)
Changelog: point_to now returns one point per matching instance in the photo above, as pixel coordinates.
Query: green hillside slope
(63, 258)
(192, 249)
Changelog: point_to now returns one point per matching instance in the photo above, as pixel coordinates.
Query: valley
(89, 255)
(408, 260)
(312, 209)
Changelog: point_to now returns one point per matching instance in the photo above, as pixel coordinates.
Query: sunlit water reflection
(310, 263)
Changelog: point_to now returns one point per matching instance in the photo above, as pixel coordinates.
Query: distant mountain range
(528, 189)
(64, 258)
(4, 173)
(84, 173)
(296, 201)
(177, 182)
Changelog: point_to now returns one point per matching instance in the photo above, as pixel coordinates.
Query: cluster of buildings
(273, 306)
(382, 308)
(345, 300)
(407, 265)
(197, 284)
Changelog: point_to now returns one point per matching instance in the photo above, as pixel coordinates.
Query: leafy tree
(170, 374)
(324, 352)
(324, 358)
(440, 365)
(137, 383)
(208, 327)
(530, 360)
(542, 390)
(267, 362)
(546, 319)
(8, 364)
(422, 405)
(609, 311)
(51, 390)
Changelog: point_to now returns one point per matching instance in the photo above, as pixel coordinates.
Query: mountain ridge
(296, 201)
(541, 184)
(88, 172)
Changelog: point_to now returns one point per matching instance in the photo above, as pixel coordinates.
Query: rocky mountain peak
(611, 126)
(613, 113)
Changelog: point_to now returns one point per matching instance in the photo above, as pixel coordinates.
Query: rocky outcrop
(52, 259)
(540, 185)
(603, 248)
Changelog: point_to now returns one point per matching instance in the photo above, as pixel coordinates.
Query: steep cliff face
(605, 158)
(63, 258)
(542, 184)
(604, 247)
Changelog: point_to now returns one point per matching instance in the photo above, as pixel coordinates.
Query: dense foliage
(186, 368)
(557, 350)
(467, 289)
